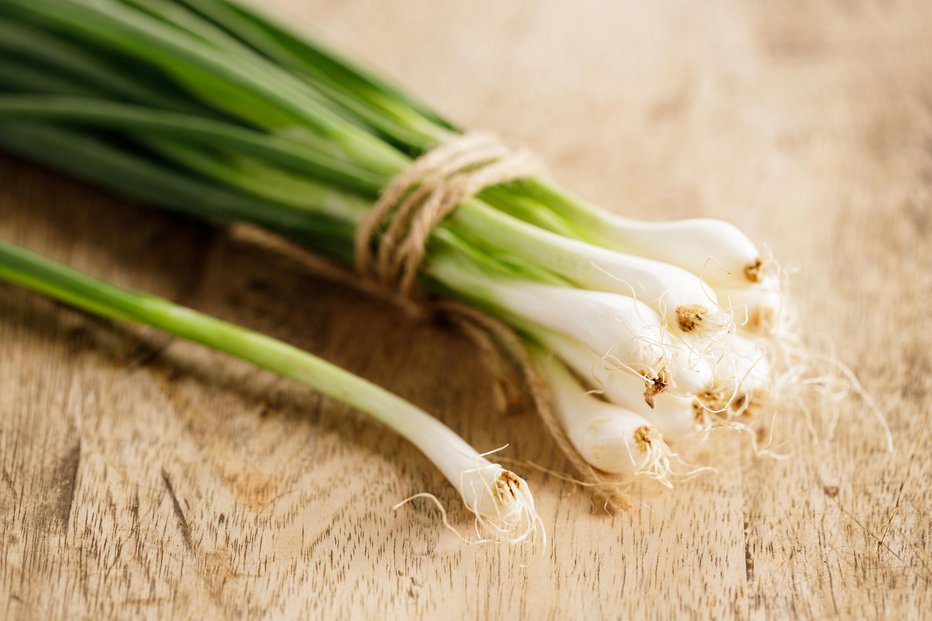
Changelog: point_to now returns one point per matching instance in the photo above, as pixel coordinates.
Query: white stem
(617, 327)
(662, 286)
(607, 323)
(608, 436)
(713, 249)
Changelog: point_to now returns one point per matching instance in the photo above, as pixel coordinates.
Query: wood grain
(142, 477)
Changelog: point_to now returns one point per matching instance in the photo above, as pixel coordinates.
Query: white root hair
(502, 506)
(660, 463)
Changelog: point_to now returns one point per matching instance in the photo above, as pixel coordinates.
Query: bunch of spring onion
(500, 500)
(643, 331)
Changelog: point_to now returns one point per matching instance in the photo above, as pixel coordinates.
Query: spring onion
(500, 500)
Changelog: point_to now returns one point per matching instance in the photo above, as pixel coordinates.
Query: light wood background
(142, 477)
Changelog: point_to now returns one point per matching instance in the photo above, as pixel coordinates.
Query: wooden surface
(144, 477)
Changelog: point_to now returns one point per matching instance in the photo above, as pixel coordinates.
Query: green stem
(155, 183)
(266, 95)
(370, 98)
(54, 280)
(90, 70)
(267, 182)
(23, 75)
(146, 121)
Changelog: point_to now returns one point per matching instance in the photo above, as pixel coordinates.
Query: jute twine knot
(408, 210)
(417, 200)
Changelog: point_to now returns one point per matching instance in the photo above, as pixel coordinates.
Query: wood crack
(183, 524)
(67, 476)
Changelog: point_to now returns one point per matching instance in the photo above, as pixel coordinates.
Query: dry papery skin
(654, 386)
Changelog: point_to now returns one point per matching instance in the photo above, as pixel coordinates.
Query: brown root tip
(505, 484)
(740, 403)
(755, 271)
(690, 316)
(643, 436)
(709, 403)
(747, 404)
(654, 388)
(759, 319)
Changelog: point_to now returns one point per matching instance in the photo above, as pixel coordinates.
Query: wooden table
(145, 477)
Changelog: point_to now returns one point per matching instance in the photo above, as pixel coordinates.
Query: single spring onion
(715, 250)
(500, 500)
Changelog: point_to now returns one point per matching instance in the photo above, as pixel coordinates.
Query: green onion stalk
(209, 108)
(500, 500)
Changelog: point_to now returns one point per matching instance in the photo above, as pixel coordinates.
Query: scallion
(500, 500)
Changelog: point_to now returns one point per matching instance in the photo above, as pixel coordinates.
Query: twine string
(418, 199)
